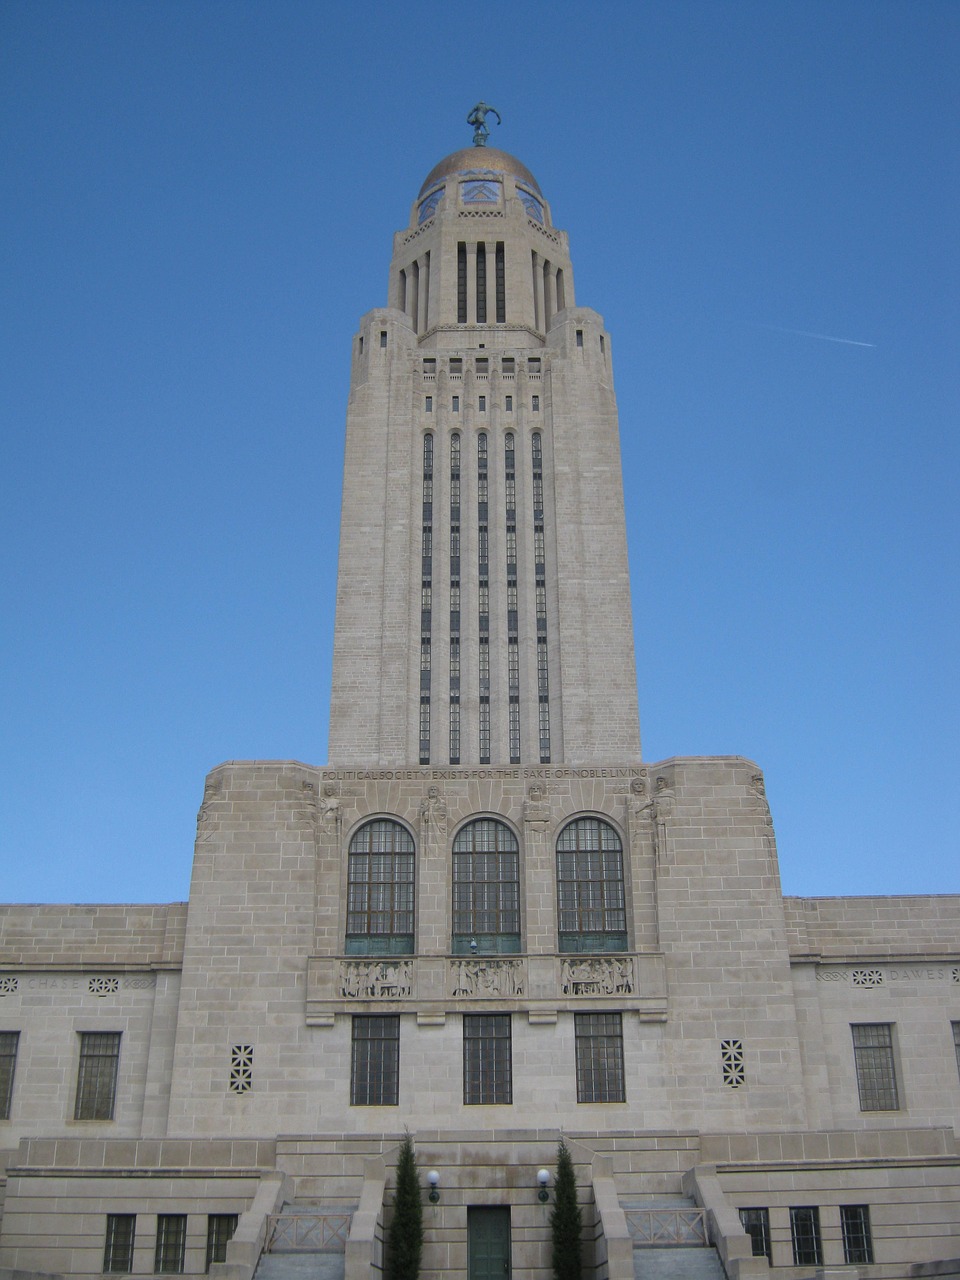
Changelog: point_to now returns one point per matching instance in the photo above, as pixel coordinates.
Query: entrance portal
(488, 1235)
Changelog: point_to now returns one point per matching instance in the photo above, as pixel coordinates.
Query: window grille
(171, 1247)
(857, 1237)
(501, 284)
(241, 1068)
(590, 887)
(220, 1231)
(487, 1059)
(9, 1043)
(118, 1242)
(876, 1070)
(805, 1236)
(375, 1061)
(461, 283)
(756, 1223)
(103, 986)
(599, 1049)
(97, 1075)
(731, 1063)
(486, 888)
(956, 1042)
(481, 284)
(380, 889)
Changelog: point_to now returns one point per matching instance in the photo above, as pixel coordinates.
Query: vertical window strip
(220, 1231)
(805, 1236)
(543, 685)
(501, 284)
(9, 1042)
(483, 598)
(461, 283)
(756, 1223)
(454, 676)
(426, 616)
(481, 283)
(857, 1237)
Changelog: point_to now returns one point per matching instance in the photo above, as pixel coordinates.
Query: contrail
(824, 337)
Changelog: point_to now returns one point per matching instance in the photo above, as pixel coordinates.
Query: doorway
(488, 1243)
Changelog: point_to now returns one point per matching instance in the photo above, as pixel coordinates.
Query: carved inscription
(376, 979)
(487, 978)
(597, 976)
(886, 975)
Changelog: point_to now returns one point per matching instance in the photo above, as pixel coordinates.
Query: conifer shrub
(566, 1220)
(406, 1229)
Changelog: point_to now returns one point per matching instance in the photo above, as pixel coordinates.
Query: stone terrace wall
(92, 936)
(927, 924)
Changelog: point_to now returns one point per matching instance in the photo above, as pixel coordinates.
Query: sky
(198, 201)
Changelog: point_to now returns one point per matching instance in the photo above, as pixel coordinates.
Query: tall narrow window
(857, 1237)
(486, 889)
(590, 889)
(483, 598)
(170, 1253)
(375, 1061)
(805, 1236)
(220, 1231)
(599, 1045)
(380, 883)
(876, 1069)
(426, 616)
(9, 1042)
(118, 1242)
(97, 1075)
(454, 673)
(481, 283)
(756, 1223)
(461, 283)
(956, 1042)
(487, 1065)
(540, 570)
(501, 285)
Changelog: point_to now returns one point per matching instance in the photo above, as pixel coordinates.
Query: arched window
(486, 889)
(590, 893)
(380, 890)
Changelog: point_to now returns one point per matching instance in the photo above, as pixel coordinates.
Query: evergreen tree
(406, 1229)
(565, 1219)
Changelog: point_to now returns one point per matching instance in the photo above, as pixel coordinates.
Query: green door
(488, 1233)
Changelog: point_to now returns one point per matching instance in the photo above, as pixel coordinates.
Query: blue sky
(198, 204)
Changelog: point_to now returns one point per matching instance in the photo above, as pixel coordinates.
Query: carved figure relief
(609, 976)
(664, 799)
(211, 792)
(433, 810)
(376, 979)
(331, 810)
(758, 787)
(488, 978)
(536, 807)
(641, 802)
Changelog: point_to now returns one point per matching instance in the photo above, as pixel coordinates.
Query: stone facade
(700, 1040)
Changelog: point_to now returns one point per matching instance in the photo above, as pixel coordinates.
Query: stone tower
(483, 597)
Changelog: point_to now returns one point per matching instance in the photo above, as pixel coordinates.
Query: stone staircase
(305, 1242)
(669, 1240)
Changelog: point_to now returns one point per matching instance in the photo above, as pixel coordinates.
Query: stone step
(300, 1266)
(677, 1264)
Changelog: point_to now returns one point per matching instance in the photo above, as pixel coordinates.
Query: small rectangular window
(483, 404)
(857, 1237)
(375, 1061)
(428, 404)
(429, 366)
(97, 1075)
(383, 337)
(9, 1041)
(805, 1236)
(756, 1223)
(456, 366)
(875, 1066)
(508, 367)
(455, 404)
(118, 1243)
(171, 1247)
(579, 337)
(483, 366)
(536, 404)
(220, 1231)
(956, 1042)
(533, 364)
(599, 1049)
(509, 404)
(487, 1067)
(603, 345)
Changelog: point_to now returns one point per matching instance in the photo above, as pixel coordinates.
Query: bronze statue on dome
(477, 118)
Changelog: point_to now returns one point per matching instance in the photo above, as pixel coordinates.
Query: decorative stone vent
(241, 1068)
(103, 986)
(731, 1063)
